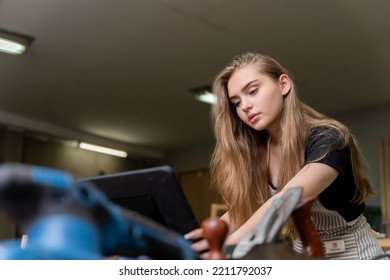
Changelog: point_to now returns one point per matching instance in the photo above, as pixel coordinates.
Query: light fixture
(14, 43)
(101, 149)
(204, 94)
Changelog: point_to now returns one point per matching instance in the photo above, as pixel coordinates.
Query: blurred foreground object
(65, 219)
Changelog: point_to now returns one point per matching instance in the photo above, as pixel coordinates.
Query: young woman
(268, 141)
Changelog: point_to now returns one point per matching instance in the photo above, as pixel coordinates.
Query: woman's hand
(210, 238)
(200, 243)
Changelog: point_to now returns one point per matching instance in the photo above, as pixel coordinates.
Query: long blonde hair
(238, 166)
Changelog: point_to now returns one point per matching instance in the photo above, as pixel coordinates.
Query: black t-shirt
(339, 194)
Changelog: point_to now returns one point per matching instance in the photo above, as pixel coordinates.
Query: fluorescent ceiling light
(11, 47)
(14, 43)
(207, 97)
(103, 150)
(204, 94)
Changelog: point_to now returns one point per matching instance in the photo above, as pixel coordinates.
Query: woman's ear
(285, 83)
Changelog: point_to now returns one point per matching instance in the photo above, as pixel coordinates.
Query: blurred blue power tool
(65, 219)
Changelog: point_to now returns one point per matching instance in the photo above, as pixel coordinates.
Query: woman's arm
(313, 178)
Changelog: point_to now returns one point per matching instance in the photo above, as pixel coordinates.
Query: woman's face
(258, 99)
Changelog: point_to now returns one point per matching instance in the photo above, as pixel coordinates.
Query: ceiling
(118, 72)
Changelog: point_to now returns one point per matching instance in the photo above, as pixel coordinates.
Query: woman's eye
(253, 91)
(236, 103)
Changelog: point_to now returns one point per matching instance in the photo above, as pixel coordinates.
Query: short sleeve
(326, 145)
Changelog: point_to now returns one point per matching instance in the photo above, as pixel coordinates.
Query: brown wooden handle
(312, 245)
(215, 232)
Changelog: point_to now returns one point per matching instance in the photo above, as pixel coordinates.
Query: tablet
(152, 192)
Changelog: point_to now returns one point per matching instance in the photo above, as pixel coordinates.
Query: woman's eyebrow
(247, 85)
(244, 87)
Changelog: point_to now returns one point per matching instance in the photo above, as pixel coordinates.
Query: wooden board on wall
(196, 187)
(385, 184)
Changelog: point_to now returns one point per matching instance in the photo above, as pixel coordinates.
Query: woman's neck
(274, 159)
(274, 135)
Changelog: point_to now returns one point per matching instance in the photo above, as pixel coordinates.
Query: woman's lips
(253, 118)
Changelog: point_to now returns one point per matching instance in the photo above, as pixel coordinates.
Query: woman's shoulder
(325, 131)
(325, 135)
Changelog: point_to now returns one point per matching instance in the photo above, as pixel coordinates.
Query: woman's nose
(246, 105)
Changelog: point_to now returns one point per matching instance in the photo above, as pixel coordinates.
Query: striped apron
(342, 240)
